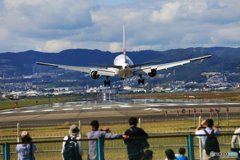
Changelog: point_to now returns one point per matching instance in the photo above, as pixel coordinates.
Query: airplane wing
(100, 71)
(147, 69)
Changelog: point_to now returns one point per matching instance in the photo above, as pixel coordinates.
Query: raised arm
(200, 126)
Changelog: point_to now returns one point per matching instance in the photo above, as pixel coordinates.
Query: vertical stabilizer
(124, 44)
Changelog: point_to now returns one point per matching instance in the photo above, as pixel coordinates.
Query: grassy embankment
(160, 144)
(230, 96)
(9, 104)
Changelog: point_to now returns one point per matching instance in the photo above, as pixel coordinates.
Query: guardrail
(116, 148)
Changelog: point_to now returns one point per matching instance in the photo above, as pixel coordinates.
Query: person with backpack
(72, 147)
(210, 142)
(98, 133)
(135, 147)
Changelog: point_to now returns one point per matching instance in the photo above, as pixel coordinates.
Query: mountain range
(224, 59)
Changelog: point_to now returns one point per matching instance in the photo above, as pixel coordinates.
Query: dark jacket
(134, 145)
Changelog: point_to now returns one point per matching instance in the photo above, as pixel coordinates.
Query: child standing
(182, 151)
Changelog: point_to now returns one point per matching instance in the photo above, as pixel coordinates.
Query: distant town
(36, 84)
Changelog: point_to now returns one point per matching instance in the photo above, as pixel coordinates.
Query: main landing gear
(140, 80)
(107, 82)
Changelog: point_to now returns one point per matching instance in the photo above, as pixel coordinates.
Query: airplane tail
(124, 45)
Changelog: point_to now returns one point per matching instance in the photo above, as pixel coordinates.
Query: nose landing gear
(107, 82)
(140, 80)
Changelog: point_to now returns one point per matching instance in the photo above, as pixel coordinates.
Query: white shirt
(204, 138)
(235, 137)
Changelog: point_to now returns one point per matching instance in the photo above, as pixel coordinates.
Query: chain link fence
(117, 149)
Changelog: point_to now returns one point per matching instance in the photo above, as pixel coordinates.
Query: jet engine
(153, 73)
(94, 75)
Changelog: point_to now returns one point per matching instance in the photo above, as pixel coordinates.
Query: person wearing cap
(73, 132)
(95, 134)
(24, 149)
(170, 154)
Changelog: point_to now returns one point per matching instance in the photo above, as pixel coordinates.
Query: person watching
(170, 154)
(95, 134)
(210, 129)
(148, 155)
(73, 135)
(234, 139)
(24, 149)
(182, 151)
(134, 146)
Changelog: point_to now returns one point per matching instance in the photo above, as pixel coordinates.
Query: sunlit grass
(231, 96)
(9, 104)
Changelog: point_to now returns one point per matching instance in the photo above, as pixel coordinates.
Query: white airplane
(124, 67)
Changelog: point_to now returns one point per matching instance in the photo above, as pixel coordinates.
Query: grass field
(230, 96)
(149, 127)
(9, 104)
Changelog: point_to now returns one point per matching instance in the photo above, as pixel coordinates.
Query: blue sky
(56, 25)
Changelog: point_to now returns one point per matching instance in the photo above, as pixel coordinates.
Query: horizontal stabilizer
(106, 65)
(137, 65)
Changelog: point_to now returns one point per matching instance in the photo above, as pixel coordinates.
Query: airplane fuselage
(125, 71)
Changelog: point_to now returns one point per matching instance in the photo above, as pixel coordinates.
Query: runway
(113, 111)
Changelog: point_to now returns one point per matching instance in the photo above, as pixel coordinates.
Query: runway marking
(73, 102)
(48, 110)
(55, 106)
(78, 105)
(190, 104)
(155, 109)
(67, 109)
(124, 106)
(155, 105)
(151, 104)
(67, 106)
(87, 108)
(172, 104)
(29, 111)
(6, 112)
(106, 107)
(209, 103)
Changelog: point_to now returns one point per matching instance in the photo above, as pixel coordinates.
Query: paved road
(114, 112)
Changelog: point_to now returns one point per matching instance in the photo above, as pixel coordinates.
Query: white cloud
(56, 46)
(115, 47)
(4, 34)
(22, 16)
(54, 25)
(226, 35)
(167, 14)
